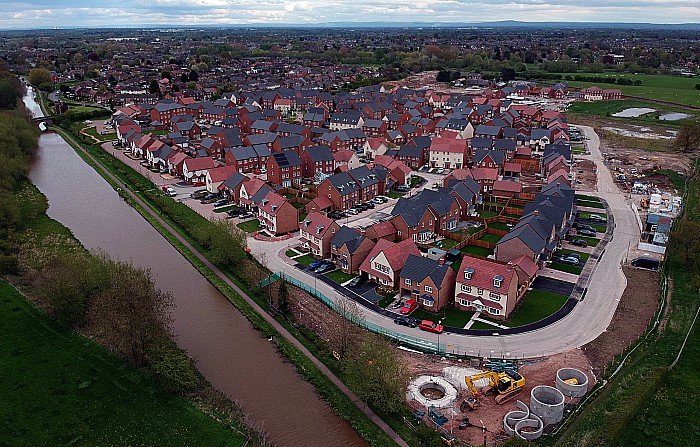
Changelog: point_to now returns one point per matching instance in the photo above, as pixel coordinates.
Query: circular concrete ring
(569, 389)
(513, 417)
(532, 422)
(424, 382)
(548, 403)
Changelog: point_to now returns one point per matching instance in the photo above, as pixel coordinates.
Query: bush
(173, 368)
(9, 265)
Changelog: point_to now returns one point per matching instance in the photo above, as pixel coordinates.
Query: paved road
(588, 319)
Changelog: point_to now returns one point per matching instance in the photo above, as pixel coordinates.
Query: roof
(412, 209)
(222, 173)
(382, 229)
(320, 153)
(483, 272)
(396, 254)
(527, 265)
(505, 185)
(235, 180)
(272, 202)
(348, 237)
(527, 235)
(417, 268)
(343, 183)
(200, 163)
(287, 159)
(448, 145)
(316, 224)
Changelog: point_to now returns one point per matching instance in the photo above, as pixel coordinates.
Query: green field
(677, 89)
(445, 244)
(61, 389)
(490, 238)
(499, 226)
(589, 204)
(485, 214)
(587, 198)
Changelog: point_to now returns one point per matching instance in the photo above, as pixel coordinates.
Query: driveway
(552, 285)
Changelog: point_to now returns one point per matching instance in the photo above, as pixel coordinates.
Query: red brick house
(386, 260)
(429, 282)
(277, 215)
(487, 286)
(316, 232)
(284, 168)
(349, 249)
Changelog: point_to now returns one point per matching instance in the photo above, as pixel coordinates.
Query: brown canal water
(232, 355)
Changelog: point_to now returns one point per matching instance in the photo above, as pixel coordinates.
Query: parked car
(353, 211)
(586, 232)
(431, 326)
(378, 200)
(221, 202)
(199, 194)
(325, 266)
(383, 198)
(246, 215)
(646, 263)
(441, 171)
(572, 255)
(369, 204)
(579, 243)
(597, 218)
(316, 264)
(568, 261)
(362, 207)
(170, 191)
(357, 281)
(409, 306)
(401, 188)
(234, 212)
(405, 321)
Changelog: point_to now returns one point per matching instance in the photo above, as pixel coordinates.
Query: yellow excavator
(507, 385)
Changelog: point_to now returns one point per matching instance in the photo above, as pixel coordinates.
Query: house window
(494, 296)
(428, 289)
(407, 282)
(464, 302)
(480, 291)
(466, 288)
(428, 303)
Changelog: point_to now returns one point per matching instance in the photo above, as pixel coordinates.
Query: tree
(131, 315)
(688, 138)
(507, 74)
(194, 76)
(344, 332)
(38, 76)
(377, 374)
(153, 87)
(685, 240)
(283, 296)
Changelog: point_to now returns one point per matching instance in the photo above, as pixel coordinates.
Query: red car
(408, 307)
(431, 326)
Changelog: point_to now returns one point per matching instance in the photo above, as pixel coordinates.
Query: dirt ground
(636, 309)
(586, 174)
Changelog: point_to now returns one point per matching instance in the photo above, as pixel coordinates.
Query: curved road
(587, 321)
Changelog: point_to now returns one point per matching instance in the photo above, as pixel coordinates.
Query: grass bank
(59, 388)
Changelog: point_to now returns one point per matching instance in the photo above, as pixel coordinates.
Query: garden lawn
(499, 226)
(450, 316)
(564, 251)
(490, 238)
(589, 204)
(576, 270)
(250, 226)
(479, 251)
(483, 326)
(290, 253)
(61, 389)
(395, 194)
(592, 242)
(587, 198)
(305, 260)
(586, 214)
(339, 276)
(536, 305)
(385, 301)
(485, 214)
(445, 244)
(599, 228)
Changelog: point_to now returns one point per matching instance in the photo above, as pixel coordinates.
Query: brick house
(487, 286)
(284, 168)
(316, 232)
(341, 189)
(194, 170)
(277, 215)
(429, 282)
(317, 160)
(386, 260)
(349, 249)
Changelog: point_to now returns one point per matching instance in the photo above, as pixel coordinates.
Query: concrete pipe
(548, 403)
(529, 429)
(513, 417)
(572, 382)
(432, 390)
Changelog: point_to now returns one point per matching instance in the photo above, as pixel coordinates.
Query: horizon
(45, 14)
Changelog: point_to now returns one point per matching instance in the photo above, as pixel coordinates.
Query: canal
(232, 355)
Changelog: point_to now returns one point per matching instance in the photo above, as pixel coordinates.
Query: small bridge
(42, 119)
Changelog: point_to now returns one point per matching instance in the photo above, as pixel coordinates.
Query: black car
(357, 281)
(369, 205)
(324, 267)
(233, 212)
(646, 263)
(362, 207)
(579, 243)
(586, 232)
(406, 321)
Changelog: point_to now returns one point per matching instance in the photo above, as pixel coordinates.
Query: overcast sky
(71, 13)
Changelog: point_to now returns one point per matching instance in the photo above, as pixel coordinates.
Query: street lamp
(438, 338)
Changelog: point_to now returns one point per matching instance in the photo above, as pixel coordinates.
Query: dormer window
(319, 228)
(468, 272)
(497, 280)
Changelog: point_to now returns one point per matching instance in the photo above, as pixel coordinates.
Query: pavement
(583, 324)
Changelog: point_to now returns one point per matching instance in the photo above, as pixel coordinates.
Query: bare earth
(586, 173)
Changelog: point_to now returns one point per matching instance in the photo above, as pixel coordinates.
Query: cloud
(75, 13)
